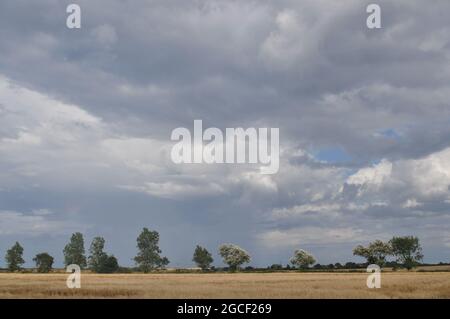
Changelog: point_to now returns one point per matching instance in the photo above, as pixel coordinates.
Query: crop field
(224, 285)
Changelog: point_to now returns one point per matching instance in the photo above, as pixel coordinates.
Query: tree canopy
(148, 257)
(202, 257)
(233, 255)
(99, 261)
(302, 259)
(14, 257)
(375, 253)
(408, 251)
(44, 262)
(74, 251)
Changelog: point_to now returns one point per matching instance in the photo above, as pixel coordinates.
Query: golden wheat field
(238, 285)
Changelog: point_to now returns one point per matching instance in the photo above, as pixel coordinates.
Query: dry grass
(243, 285)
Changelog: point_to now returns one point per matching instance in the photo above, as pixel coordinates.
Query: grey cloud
(87, 115)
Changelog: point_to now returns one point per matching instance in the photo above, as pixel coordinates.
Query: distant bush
(276, 267)
(124, 270)
(318, 266)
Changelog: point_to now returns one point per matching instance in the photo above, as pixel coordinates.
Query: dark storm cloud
(238, 62)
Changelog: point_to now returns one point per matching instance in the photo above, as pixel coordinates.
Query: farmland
(228, 285)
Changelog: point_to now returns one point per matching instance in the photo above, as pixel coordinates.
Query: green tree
(148, 256)
(97, 256)
(14, 257)
(74, 251)
(202, 258)
(44, 262)
(110, 265)
(408, 251)
(375, 253)
(302, 259)
(98, 260)
(234, 256)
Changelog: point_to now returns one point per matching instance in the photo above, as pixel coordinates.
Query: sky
(86, 117)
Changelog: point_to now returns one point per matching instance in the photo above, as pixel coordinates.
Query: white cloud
(311, 235)
(372, 176)
(177, 190)
(145, 155)
(256, 180)
(289, 42)
(411, 203)
(36, 223)
(424, 178)
(299, 210)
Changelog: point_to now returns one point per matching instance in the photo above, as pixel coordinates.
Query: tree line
(406, 250)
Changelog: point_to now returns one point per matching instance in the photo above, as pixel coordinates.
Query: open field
(240, 285)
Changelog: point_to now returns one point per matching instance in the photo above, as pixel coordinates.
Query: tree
(14, 257)
(374, 253)
(97, 256)
(338, 266)
(110, 265)
(99, 261)
(44, 262)
(202, 258)
(148, 256)
(302, 259)
(407, 249)
(74, 251)
(233, 255)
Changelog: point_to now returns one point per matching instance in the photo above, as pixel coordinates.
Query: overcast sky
(86, 117)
